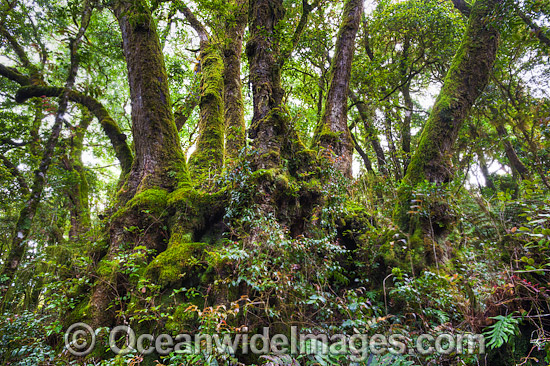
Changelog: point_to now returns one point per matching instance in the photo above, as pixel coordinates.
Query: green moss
(208, 156)
(80, 313)
(108, 269)
(151, 201)
(177, 262)
(184, 318)
(264, 175)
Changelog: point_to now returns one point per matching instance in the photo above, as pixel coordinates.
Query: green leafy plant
(503, 331)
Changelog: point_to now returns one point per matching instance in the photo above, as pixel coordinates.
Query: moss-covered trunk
(77, 187)
(235, 129)
(465, 80)
(158, 156)
(208, 156)
(158, 167)
(334, 134)
(262, 49)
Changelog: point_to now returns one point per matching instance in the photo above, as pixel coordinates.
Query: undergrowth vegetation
(354, 274)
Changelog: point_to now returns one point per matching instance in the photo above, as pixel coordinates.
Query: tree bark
(262, 50)
(235, 128)
(77, 187)
(208, 156)
(159, 160)
(334, 134)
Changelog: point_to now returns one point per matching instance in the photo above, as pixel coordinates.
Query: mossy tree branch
(159, 160)
(370, 130)
(109, 126)
(209, 153)
(23, 186)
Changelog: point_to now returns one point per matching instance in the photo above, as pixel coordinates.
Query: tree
(465, 81)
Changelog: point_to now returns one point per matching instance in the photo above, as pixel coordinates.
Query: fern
(502, 331)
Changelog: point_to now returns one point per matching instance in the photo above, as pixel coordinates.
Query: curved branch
(14, 75)
(20, 52)
(110, 127)
(194, 22)
(539, 32)
(306, 10)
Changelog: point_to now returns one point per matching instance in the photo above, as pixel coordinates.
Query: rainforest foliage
(220, 166)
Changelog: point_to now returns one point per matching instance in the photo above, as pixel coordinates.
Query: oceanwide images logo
(80, 340)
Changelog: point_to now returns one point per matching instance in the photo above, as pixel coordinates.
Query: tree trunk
(235, 129)
(334, 134)
(268, 122)
(513, 158)
(371, 132)
(77, 190)
(159, 165)
(465, 80)
(159, 160)
(208, 156)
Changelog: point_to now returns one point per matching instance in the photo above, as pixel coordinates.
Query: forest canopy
(226, 167)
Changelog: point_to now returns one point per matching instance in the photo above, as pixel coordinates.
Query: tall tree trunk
(159, 160)
(159, 164)
(208, 156)
(509, 150)
(465, 80)
(235, 129)
(77, 190)
(262, 50)
(371, 132)
(333, 133)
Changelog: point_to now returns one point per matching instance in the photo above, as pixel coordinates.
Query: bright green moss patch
(176, 262)
(184, 317)
(107, 269)
(150, 201)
